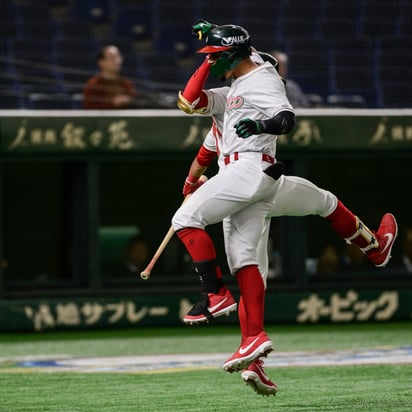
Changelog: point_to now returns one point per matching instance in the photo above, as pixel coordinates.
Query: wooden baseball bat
(145, 274)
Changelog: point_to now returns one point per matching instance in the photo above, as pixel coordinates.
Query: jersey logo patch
(234, 102)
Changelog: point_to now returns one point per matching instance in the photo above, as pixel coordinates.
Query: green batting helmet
(233, 42)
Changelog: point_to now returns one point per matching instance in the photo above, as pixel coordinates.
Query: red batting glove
(192, 183)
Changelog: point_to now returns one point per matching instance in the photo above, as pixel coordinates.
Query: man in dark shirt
(108, 89)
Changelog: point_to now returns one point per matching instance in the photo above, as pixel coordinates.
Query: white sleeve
(209, 142)
(216, 100)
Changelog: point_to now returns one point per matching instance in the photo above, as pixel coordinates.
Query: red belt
(265, 158)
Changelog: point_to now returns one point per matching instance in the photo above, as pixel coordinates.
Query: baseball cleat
(211, 306)
(256, 378)
(251, 348)
(385, 235)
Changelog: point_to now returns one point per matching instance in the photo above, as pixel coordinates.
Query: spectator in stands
(108, 89)
(137, 255)
(294, 92)
(349, 259)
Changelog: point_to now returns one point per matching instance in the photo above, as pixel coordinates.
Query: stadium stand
(356, 50)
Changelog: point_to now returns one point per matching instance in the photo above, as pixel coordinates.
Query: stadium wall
(343, 148)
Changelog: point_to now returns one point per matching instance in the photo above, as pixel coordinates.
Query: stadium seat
(177, 39)
(350, 101)
(397, 95)
(75, 28)
(380, 18)
(75, 44)
(7, 74)
(309, 65)
(394, 64)
(307, 9)
(218, 11)
(11, 99)
(74, 69)
(175, 12)
(298, 27)
(32, 62)
(345, 9)
(93, 11)
(48, 101)
(36, 21)
(77, 101)
(332, 28)
(162, 71)
(134, 22)
(9, 26)
(54, 3)
(354, 69)
(405, 19)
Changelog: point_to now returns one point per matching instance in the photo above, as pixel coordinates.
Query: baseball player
(286, 202)
(241, 189)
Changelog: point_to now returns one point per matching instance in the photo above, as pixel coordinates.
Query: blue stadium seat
(354, 69)
(341, 100)
(134, 22)
(93, 11)
(309, 65)
(345, 9)
(32, 62)
(332, 28)
(218, 11)
(9, 26)
(162, 71)
(394, 64)
(49, 101)
(180, 12)
(74, 69)
(295, 27)
(177, 39)
(11, 99)
(260, 18)
(405, 20)
(380, 18)
(303, 8)
(36, 21)
(397, 95)
(75, 28)
(75, 44)
(7, 74)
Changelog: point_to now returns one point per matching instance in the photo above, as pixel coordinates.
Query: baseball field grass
(94, 373)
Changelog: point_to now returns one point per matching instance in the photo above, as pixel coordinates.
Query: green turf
(207, 339)
(366, 388)
(376, 388)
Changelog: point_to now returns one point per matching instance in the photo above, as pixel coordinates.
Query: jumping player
(241, 189)
(286, 202)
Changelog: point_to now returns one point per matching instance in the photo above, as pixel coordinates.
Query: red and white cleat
(250, 349)
(211, 306)
(385, 235)
(256, 377)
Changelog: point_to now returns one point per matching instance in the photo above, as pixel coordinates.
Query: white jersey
(241, 195)
(287, 200)
(245, 101)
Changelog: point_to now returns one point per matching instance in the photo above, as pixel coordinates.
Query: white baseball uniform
(286, 200)
(240, 190)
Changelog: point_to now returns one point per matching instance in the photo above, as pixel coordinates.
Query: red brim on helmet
(213, 49)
